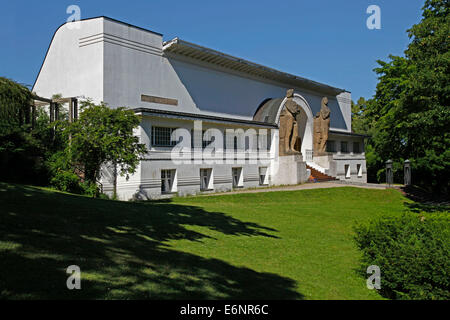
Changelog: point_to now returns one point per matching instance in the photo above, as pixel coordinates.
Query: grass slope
(274, 245)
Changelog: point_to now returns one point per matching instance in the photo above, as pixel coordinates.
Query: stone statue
(321, 127)
(289, 125)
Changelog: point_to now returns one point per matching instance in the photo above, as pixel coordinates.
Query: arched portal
(304, 123)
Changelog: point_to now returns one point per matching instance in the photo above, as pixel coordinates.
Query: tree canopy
(102, 136)
(409, 115)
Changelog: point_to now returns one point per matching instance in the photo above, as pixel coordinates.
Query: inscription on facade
(153, 99)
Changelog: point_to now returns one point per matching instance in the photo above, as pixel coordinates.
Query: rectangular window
(205, 179)
(359, 169)
(331, 146)
(263, 141)
(207, 139)
(356, 147)
(263, 176)
(167, 177)
(344, 147)
(347, 171)
(161, 137)
(237, 177)
(269, 140)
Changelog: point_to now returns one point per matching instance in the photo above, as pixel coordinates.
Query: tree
(104, 136)
(14, 105)
(359, 121)
(22, 150)
(409, 115)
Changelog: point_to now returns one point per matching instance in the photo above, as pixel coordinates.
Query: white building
(177, 84)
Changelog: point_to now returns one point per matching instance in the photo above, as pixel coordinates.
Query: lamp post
(389, 175)
(407, 173)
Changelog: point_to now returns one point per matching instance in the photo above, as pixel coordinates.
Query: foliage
(409, 116)
(102, 136)
(62, 174)
(413, 253)
(14, 105)
(22, 151)
(359, 123)
(42, 154)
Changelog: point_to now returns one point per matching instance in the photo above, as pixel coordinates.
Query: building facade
(210, 121)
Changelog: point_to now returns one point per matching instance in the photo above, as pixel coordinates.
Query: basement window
(347, 171)
(167, 179)
(263, 178)
(359, 170)
(237, 178)
(205, 179)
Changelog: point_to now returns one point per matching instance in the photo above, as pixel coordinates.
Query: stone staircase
(317, 176)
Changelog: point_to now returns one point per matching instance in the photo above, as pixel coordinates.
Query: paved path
(305, 186)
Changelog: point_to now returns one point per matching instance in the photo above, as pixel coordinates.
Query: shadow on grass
(425, 201)
(121, 249)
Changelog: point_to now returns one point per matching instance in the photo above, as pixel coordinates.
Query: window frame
(344, 143)
(154, 137)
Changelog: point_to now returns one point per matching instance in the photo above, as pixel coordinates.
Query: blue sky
(323, 40)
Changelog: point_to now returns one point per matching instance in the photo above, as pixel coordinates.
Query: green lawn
(273, 245)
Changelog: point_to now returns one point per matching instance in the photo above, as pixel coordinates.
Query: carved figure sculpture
(289, 125)
(321, 127)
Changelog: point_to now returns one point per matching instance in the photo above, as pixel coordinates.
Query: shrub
(413, 253)
(62, 176)
(90, 189)
(66, 181)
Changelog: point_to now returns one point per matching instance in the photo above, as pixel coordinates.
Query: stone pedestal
(291, 169)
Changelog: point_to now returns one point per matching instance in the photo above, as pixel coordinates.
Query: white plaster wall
(223, 91)
(289, 170)
(134, 65)
(339, 159)
(72, 70)
(338, 168)
(188, 174)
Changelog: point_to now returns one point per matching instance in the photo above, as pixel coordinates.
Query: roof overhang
(206, 55)
(352, 134)
(202, 117)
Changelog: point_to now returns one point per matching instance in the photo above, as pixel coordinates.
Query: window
(237, 177)
(347, 171)
(263, 176)
(331, 146)
(167, 178)
(356, 147)
(205, 179)
(161, 137)
(264, 145)
(344, 147)
(269, 140)
(207, 139)
(359, 170)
